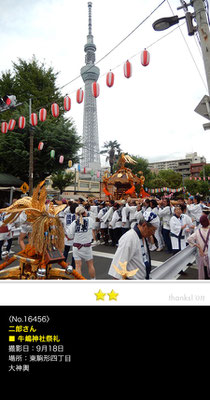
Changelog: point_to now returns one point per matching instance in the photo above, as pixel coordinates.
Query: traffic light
(8, 101)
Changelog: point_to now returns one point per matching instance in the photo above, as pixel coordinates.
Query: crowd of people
(134, 226)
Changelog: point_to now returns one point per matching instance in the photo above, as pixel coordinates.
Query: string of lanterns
(55, 110)
(110, 77)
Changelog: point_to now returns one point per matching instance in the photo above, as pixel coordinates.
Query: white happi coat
(194, 211)
(102, 212)
(80, 233)
(177, 234)
(129, 249)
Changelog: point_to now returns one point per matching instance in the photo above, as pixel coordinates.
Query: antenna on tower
(89, 18)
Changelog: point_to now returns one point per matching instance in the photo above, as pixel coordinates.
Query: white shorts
(84, 253)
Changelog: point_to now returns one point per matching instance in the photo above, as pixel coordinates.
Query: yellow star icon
(113, 295)
(100, 295)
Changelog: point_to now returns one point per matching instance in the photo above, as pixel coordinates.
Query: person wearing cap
(133, 250)
(81, 232)
(201, 239)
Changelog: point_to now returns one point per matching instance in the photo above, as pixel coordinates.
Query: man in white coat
(133, 250)
(177, 230)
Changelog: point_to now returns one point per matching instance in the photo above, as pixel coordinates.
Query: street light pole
(204, 36)
(31, 153)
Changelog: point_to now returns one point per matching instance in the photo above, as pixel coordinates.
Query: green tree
(192, 186)
(204, 188)
(33, 80)
(112, 149)
(173, 179)
(206, 170)
(61, 179)
(158, 182)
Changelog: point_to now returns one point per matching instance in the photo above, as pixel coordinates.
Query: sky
(151, 114)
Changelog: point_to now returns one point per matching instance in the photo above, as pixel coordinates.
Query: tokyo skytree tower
(90, 73)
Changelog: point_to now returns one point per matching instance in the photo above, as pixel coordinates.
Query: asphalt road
(103, 256)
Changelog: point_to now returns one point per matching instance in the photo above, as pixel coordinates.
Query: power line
(118, 44)
(189, 50)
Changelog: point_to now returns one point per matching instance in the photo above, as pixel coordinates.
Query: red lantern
(34, 119)
(67, 103)
(40, 146)
(61, 159)
(22, 122)
(80, 95)
(95, 89)
(55, 110)
(110, 79)
(127, 69)
(4, 127)
(12, 124)
(42, 114)
(145, 58)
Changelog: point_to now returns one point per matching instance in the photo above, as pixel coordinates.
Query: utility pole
(204, 35)
(31, 153)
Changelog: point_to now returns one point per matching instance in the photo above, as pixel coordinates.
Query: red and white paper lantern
(4, 127)
(127, 69)
(79, 96)
(12, 124)
(145, 58)
(95, 89)
(34, 119)
(22, 122)
(55, 109)
(110, 79)
(67, 103)
(40, 146)
(61, 159)
(42, 114)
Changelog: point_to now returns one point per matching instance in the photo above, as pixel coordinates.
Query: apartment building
(183, 166)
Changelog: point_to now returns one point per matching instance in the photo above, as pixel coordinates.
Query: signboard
(24, 187)
(203, 108)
